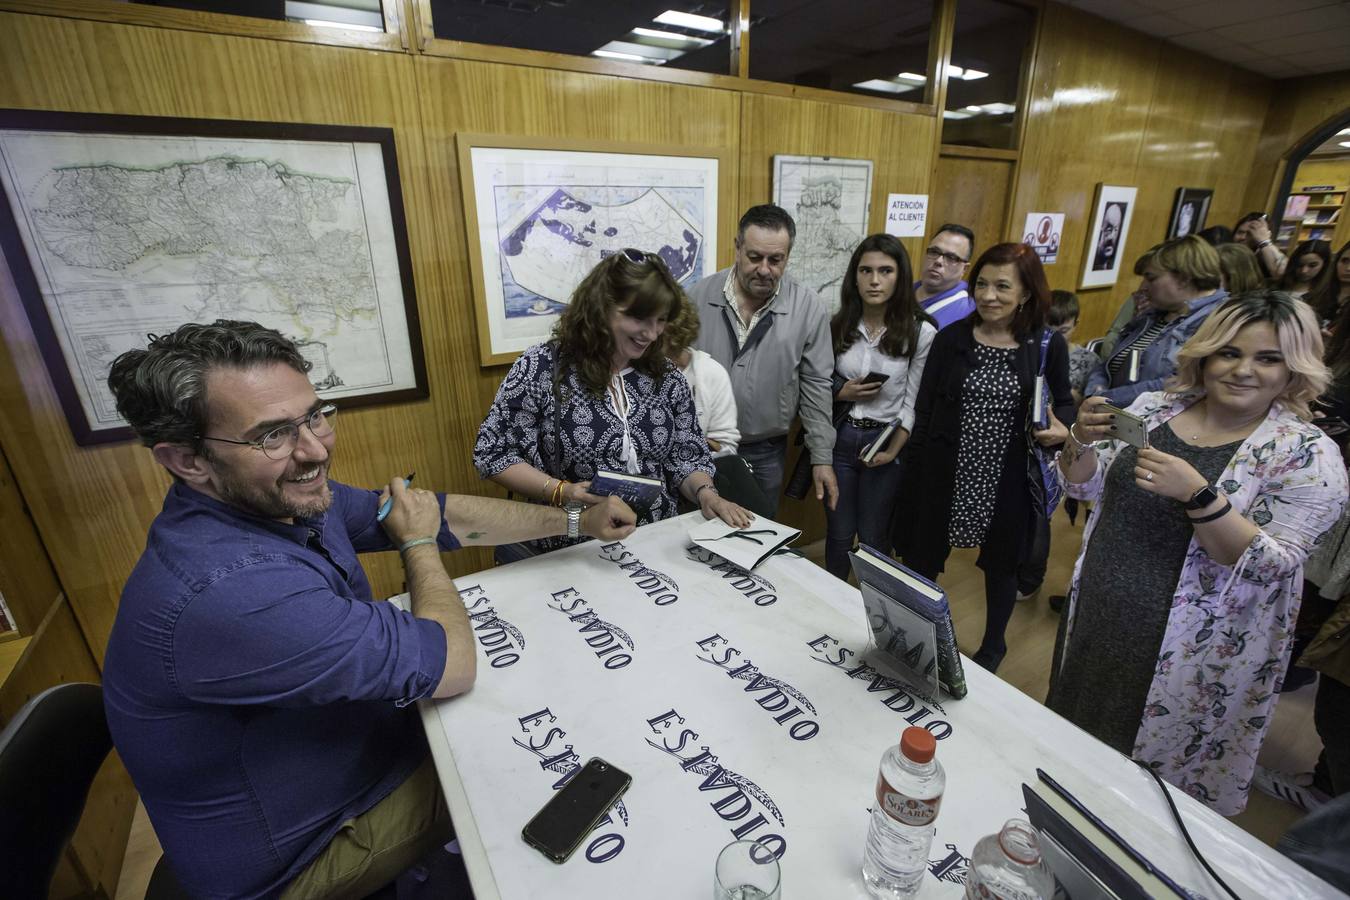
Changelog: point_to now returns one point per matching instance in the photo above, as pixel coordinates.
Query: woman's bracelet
(1083, 444)
(544, 494)
(559, 493)
(707, 485)
(415, 542)
(1214, 515)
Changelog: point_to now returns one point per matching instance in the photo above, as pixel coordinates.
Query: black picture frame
(1190, 208)
(57, 362)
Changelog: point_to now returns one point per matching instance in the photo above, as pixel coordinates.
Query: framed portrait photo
(119, 227)
(1189, 211)
(1112, 211)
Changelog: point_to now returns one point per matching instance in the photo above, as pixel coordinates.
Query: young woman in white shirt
(880, 330)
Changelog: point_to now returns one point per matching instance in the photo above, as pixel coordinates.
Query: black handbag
(735, 481)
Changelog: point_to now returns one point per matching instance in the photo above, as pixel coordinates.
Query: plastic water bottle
(1008, 866)
(909, 791)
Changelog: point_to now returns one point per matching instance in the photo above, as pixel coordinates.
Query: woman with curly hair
(1183, 601)
(602, 395)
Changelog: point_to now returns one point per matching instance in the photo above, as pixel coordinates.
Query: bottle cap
(918, 744)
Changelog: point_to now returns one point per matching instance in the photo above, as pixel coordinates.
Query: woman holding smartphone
(1182, 606)
(969, 464)
(881, 339)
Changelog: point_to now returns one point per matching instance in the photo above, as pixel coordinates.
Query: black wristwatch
(1202, 498)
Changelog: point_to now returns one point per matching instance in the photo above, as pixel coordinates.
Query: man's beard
(270, 503)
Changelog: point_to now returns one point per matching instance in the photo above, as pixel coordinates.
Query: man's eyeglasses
(950, 259)
(279, 443)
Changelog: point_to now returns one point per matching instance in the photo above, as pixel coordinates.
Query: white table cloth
(739, 705)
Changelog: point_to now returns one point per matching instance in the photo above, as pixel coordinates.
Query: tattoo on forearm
(475, 535)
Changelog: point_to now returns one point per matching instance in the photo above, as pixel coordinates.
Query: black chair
(49, 754)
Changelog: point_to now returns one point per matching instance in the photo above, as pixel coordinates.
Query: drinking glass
(746, 870)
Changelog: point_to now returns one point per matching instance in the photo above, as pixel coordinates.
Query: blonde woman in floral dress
(1182, 607)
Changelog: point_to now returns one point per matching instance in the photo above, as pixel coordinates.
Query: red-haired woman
(969, 466)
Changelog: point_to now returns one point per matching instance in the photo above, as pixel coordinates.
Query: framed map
(831, 201)
(116, 227)
(542, 214)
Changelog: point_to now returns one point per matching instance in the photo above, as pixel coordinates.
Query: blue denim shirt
(1158, 362)
(255, 692)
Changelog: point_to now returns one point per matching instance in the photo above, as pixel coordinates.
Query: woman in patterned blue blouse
(602, 395)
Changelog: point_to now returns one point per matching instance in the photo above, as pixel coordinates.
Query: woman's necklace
(1245, 428)
(873, 333)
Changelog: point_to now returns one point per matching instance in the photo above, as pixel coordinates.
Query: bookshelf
(1314, 211)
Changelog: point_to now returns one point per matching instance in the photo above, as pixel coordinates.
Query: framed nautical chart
(541, 214)
(117, 227)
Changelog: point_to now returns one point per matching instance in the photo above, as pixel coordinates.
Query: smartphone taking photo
(1129, 428)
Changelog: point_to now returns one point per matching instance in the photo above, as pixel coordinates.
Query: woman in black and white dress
(969, 462)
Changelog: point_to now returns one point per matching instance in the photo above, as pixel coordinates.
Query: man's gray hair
(161, 390)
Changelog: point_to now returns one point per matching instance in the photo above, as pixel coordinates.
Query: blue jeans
(766, 459)
(866, 499)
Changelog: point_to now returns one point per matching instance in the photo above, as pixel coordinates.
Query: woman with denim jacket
(1182, 282)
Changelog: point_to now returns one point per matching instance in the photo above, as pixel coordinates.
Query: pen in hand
(389, 504)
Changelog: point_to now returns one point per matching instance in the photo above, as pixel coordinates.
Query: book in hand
(880, 443)
(895, 596)
(745, 547)
(637, 491)
(1088, 857)
(1040, 415)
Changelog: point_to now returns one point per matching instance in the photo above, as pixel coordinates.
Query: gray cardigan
(784, 368)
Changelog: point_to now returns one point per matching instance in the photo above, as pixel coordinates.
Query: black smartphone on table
(575, 809)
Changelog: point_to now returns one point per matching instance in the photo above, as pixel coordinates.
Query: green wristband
(416, 542)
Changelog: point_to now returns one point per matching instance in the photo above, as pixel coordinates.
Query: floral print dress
(1230, 628)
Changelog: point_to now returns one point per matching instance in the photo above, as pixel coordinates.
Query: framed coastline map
(116, 227)
(831, 200)
(540, 214)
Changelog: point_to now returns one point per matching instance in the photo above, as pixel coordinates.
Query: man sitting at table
(254, 690)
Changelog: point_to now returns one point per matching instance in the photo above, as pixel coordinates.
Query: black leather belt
(866, 423)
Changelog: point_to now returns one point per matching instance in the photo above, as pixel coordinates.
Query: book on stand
(911, 620)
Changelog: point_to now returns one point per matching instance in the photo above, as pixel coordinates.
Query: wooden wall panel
(1115, 106)
(27, 579)
(93, 505)
(975, 193)
(899, 145)
(1298, 107)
